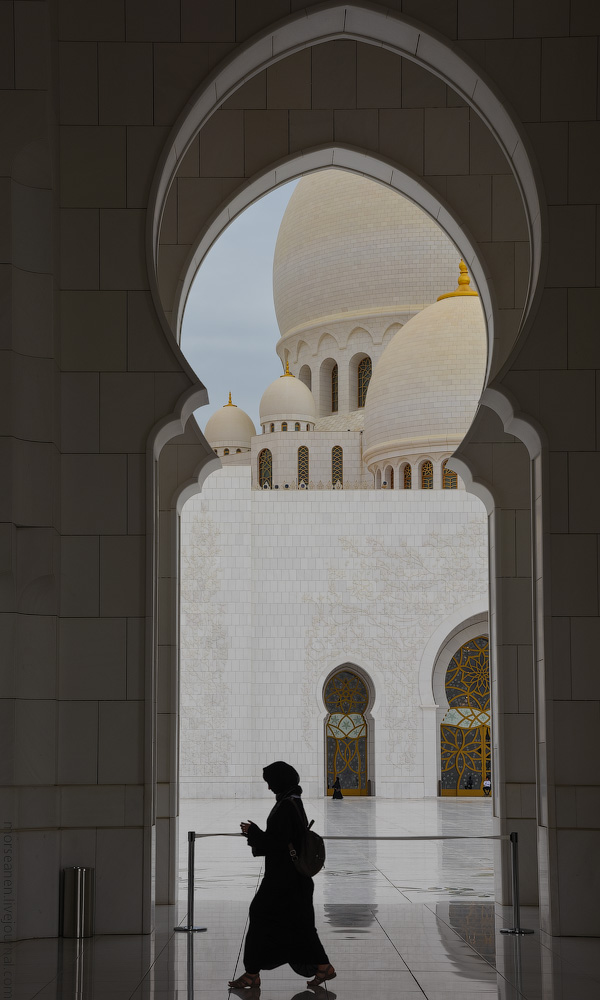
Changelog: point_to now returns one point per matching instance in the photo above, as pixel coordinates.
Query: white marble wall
(278, 590)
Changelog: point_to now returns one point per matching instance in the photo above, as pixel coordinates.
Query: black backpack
(310, 858)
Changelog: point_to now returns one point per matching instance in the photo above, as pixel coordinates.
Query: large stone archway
(197, 191)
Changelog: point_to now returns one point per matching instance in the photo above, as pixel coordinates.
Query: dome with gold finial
(229, 428)
(287, 399)
(426, 386)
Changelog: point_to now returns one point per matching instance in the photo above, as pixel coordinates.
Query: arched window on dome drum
(407, 477)
(389, 478)
(272, 428)
(303, 469)
(449, 478)
(296, 426)
(334, 389)
(265, 469)
(427, 476)
(225, 451)
(238, 451)
(465, 728)
(337, 465)
(365, 370)
(346, 699)
(284, 426)
(308, 427)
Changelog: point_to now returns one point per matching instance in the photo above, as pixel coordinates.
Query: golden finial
(230, 403)
(287, 370)
(463, 284)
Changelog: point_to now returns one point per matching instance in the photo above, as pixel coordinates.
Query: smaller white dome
(229, 427)
(287, 398)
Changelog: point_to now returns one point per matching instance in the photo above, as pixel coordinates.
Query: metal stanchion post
(190, 910)
(514, 854)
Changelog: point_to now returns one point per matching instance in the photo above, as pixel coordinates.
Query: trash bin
(77, 902)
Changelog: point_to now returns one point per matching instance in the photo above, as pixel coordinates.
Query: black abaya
(282, 920)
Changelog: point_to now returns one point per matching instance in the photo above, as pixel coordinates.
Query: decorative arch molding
(372, 24)
(448, 634)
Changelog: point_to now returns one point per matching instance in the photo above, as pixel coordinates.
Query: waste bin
(77, 902)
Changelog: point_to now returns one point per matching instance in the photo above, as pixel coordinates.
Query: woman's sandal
(248, 981)
(322, 976)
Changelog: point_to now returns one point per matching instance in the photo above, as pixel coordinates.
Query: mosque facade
(334, 569)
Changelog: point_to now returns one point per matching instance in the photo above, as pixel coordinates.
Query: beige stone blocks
(420, 89)
(93, 166)
(152, 20)
(334, 75)
(379, 80)
(7, 54)
(401, 137)
(32, 52)
(265, 138)
(207, 22)
(94, 330)
(93, 659)
(446, 140)
(310, 128)
(125, 83)
(572, 251)
(78, 83)
(569, 95)
(179, 68)
(222, 145)
(80, 575)
(122, 249)
(80, 248)
(94, 494)
(289, 82)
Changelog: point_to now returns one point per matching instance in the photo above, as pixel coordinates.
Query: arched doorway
(346, 698)
(465, 728)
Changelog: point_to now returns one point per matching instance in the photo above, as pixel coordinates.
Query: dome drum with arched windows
(287, 400)
(230, 430)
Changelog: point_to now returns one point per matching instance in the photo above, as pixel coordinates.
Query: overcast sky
(229, 329)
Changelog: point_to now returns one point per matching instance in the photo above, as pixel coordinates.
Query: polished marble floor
(401, 920)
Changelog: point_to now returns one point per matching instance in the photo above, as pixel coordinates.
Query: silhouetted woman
(282, 919)
(337, 788)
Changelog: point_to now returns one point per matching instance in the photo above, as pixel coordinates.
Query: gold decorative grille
(334, 389)
(337, 465)
(427, 476)
(365, 370)
(284, 426)
(296, 426)
(407, 476)
(465, 728)
(346, 698)
(225, 451)
(272, 428)
(303, 465)
(265, 468)
(449, 478)
(390, 479)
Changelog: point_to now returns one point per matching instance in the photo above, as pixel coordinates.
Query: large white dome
(425, 388)
(287, 398)
(229, 427)
(347, 245)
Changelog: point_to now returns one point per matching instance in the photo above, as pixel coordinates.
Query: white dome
(425, 388)
(229, 427)
(348, 245)
(287, 398)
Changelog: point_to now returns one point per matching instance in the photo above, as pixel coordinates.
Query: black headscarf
(282, 778)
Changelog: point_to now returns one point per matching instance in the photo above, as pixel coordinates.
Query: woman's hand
(245, 827)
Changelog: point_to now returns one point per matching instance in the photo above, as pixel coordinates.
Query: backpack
(311, 857)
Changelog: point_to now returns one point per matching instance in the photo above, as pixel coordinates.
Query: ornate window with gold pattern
(337, 465)
(334, 389)
(346, 699)
(284, 426)
(449, 478)
(225, 451)
(427, 476)
(407, 477)
(303, 465)
(296, 426)
(465, 728)
(365, 370)
(265, 468)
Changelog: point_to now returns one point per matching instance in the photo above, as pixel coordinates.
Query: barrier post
(514, 856)
(191, 862)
